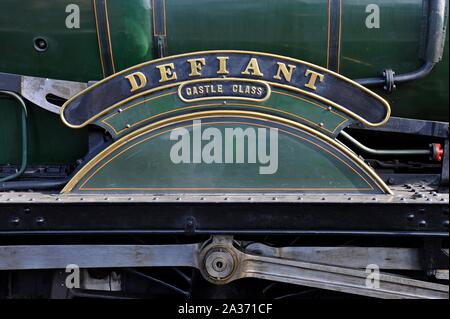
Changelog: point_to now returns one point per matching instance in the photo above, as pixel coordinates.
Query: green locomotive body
(116, 118)
(298, 29)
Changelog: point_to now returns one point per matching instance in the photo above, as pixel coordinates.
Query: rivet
(410, 216)
(422, 223)
(120, 110)
(15, 220)
(128, 126)
(40, 220)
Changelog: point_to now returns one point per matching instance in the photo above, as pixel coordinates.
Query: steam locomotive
(173, 148)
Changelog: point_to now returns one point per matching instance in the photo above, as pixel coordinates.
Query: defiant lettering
(133, 78)
(282, 69)
(167, 72)
(313, 79)
(196, 66)
(199, 65)
(223, 65)
(253, 68)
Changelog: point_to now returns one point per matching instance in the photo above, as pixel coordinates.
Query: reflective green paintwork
(296, 28)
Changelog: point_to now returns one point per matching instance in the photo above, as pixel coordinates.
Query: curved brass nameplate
(185, 70)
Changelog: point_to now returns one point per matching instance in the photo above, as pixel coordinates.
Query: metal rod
(24, 137)
(420, 73)
(383, 152)
(436, 23)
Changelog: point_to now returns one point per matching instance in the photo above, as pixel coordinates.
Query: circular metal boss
(219, 263)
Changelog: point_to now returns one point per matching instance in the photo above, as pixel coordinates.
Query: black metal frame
(284, 218)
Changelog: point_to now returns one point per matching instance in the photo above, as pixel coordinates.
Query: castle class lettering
(204, 89)
(221, 67)
(227, 88)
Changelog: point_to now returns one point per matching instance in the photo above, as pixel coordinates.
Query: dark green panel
(296, 28)
(50, 142)
(396, 44)
(131, 32)
(300, 162)
(10, 132)
(365, 52)
(72, 54)
(425, 99)
(151, 108)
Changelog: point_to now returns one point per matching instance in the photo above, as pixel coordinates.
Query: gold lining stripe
(339, 36)
(352, 156)
(226, 189)
(153, 18)
(98, 37)
(109, 38)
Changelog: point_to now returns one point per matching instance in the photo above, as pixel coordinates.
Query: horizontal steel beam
(346, 217)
